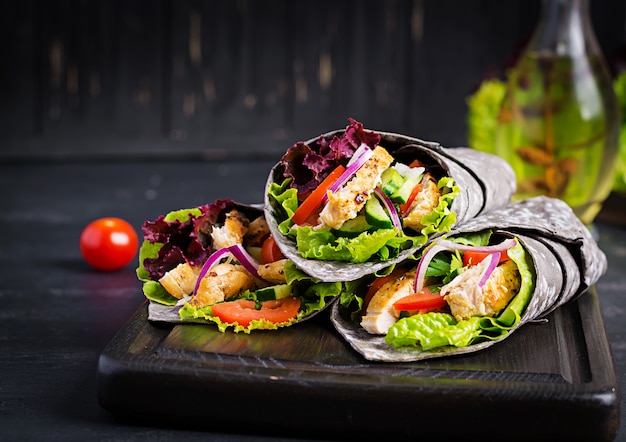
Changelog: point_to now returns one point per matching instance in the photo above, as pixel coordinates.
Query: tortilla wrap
(486, 182)
(565, 258)
(185, 236)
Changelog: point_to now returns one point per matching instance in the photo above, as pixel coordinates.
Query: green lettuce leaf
(619, 85)
(285, 201)
(441, 219)
(154, 291)
(322, 244)
(482, 116)
(432, 330)
(147, 250)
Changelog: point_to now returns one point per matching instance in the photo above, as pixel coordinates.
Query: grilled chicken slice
(273, 272)
(181, 280)
(232, 231)
(345, 203)
(222, 282)
(467, 299)
(258, 230)
(380, 314)
(424, 203)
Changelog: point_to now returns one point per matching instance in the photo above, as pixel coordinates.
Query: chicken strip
(467, 299)
(232, 231)
(345, 203)
(258, 230)
(222, 282)
(380, 314)
(273, 272)
(425, 202)
(181, 280)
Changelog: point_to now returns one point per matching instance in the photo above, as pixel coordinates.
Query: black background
(84, 79)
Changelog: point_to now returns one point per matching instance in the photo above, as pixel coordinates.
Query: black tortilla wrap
(566, 262)
(486, 182)
(164, 313)
(168, 313)
(158, 312)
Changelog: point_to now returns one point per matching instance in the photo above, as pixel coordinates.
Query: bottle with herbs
(558, 125)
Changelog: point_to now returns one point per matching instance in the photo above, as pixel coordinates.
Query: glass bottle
(558, 126)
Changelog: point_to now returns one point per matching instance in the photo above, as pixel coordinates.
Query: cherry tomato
(424, 300)
(474, 258)
(270, 251)
(109, 243)
(243, 311)
(416, 163)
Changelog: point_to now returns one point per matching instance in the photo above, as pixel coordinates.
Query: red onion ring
(444, 244)
(248, 261)
(360, 157)
(493, 263)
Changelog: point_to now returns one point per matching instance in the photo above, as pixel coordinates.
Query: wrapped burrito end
(473, 287)
(364, 200)
(219, 264)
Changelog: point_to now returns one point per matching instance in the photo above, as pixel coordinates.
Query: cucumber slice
(270, 293)
(391, 181)
(354, 227)
(404, 192)
(376, 215)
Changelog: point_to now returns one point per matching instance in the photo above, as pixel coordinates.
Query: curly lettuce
(308, 164)
(482, 116)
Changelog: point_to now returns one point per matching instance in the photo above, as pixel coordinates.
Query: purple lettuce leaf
(309, 164)
(182, 240)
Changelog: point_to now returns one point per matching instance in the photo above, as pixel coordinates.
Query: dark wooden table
(57, 314)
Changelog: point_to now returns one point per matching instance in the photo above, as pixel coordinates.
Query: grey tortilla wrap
(200, 236)
(485, 181)
(566, 262)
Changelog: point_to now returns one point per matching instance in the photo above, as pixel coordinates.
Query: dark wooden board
(551, 380)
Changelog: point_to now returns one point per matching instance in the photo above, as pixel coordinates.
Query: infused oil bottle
(558, 126)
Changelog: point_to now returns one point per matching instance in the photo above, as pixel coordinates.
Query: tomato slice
(243, 311)
(270, 251)
(377, 283)
(416, 163)
(473, 258)
(404, 208)
(424, 300)
(314, 200)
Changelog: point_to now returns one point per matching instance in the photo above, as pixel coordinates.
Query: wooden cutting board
(551, 380)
